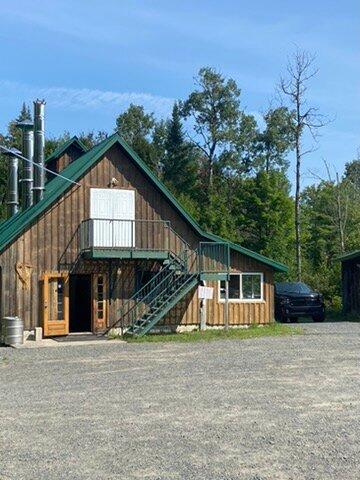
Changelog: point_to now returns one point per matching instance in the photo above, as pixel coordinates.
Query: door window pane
(100, 297)
(251, 286)
(56, 299)
(60, 299)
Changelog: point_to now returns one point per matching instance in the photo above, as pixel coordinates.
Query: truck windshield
(298, 287)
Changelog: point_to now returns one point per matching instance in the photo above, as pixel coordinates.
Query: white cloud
(86, 98)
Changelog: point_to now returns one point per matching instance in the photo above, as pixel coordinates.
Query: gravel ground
(268, 408)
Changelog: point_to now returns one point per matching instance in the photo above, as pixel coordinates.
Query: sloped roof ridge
(12, 227)
(60, 149)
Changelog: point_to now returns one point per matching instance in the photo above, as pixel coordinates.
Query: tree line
(230, 171)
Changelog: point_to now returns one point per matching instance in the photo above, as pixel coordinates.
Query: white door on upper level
(113, 214)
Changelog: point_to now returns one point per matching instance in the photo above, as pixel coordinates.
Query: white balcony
(106, 235)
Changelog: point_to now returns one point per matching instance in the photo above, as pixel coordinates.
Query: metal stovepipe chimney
(39, 150)
(12, 200)
(27, 130)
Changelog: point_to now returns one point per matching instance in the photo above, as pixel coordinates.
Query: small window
(251, 286)
(242, 287)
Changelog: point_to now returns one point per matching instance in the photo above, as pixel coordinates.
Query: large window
(243, 287)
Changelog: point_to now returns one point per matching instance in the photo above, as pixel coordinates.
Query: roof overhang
(348, 256)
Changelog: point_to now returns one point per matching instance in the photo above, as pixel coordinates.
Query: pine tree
(179, 164)
(263, 211)
(14, 133)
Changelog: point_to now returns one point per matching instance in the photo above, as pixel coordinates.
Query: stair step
(163, 296)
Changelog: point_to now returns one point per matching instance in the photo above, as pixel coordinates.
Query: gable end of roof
(15, 225)
(61, 149)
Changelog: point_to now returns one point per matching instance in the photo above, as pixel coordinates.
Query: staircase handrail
(135, 297)
(188, 280)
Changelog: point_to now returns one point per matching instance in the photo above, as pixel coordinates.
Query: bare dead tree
(300, 70)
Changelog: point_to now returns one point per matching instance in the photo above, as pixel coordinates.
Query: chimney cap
(40, 101)
(25, 124)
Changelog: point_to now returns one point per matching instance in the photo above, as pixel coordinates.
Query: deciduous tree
(214, 110)
(137, 129)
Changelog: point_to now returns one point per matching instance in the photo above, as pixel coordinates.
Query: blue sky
(90, 59)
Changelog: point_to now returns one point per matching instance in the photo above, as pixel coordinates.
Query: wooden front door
(55, 303)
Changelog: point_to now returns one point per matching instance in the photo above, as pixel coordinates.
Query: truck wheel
(319, 318)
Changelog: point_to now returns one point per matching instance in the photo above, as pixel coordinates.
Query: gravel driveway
(268, 408)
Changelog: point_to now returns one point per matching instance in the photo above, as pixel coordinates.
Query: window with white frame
(243, 287)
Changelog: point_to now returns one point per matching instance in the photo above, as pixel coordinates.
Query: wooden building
(350, 273)
(115, 249)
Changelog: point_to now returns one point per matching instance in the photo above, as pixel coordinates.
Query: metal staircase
(182, 268)
(154, 300)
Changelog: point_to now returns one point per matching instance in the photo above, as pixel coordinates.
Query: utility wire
(15, 154)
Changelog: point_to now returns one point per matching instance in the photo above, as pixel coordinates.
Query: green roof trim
(249, 253)
(15, 225)
(61, 149)
(54, 188)
(348, 256)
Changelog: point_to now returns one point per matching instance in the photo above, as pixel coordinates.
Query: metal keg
(12, 331)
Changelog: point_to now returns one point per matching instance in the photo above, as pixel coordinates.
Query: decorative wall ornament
(23, 271)
(114, 182)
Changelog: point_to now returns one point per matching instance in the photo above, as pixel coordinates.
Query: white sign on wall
(206, 293)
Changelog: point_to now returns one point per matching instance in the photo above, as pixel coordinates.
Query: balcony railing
(129, 235)
(157, 236)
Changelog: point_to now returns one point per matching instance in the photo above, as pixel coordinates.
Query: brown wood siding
(51, 243)
(57, 164)
(243, 312)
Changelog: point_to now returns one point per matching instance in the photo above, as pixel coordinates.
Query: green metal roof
(348, 256)
(15, 225)
(61, 149)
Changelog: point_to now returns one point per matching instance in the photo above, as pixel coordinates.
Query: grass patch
(254, 331)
